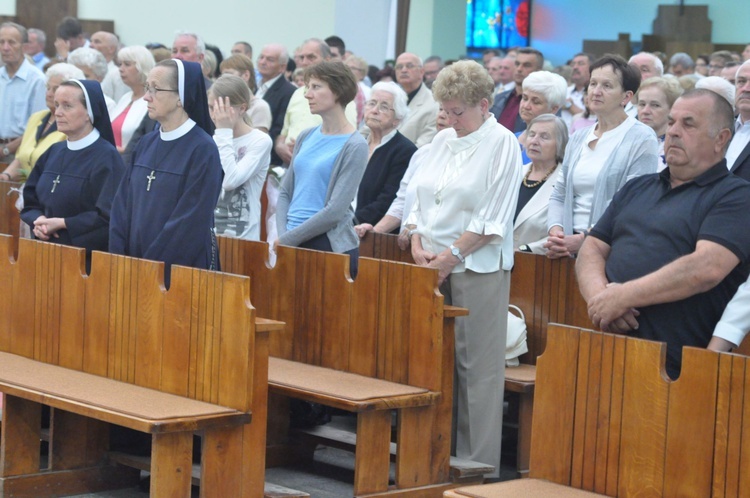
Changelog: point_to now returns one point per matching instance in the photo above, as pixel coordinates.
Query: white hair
(400, 100)
(658, 64)
(551, 85)
(140, 56)
(200, 45)
(65, 71)
(89, 57)
(718, 85)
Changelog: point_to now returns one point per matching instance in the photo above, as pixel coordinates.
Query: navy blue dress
(164, 208)
(77, 185)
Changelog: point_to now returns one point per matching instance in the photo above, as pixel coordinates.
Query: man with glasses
(419, 125)
(432, 66)
(717, 61)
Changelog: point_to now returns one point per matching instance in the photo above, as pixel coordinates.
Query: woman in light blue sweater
(314, 207)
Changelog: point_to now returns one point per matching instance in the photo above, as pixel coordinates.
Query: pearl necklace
(535, 184)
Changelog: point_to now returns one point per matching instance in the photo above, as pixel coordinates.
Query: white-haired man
(191, 48)
(419, 125)
(108, 44)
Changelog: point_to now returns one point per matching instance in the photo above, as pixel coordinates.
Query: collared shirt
(470, 184)
(40, 60)
(263, 88)
(20, 97)
(650, 224)
(739, 142)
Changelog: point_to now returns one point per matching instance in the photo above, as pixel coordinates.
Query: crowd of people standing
(638, 168)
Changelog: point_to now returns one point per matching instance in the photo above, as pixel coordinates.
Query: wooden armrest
(454, 311)
(268, 325)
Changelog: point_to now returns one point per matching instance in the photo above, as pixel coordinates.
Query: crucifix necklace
(150, 179)
(54, 184)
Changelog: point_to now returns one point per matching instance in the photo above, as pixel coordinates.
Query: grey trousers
(480, 363)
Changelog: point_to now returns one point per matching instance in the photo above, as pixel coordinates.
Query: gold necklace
(535, 184)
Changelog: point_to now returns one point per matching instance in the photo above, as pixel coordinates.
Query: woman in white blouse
(462, 224)
(599, 159)
(129, 118)
(245, 155)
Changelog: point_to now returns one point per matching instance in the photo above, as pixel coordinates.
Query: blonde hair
(234, 87)
(466, 81)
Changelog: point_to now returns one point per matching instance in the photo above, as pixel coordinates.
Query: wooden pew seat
(343, 390)
(536, 488)
(108, 400)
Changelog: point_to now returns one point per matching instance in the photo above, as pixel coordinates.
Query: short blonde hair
(466, 81)
(668, 85)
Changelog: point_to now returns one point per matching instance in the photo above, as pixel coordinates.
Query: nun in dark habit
(164, 207)
(68, 195)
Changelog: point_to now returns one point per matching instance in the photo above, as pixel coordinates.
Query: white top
(135, 115)
(263, 87)
(470, 184)
(739, 142)
(735, 322)
(260, 113)
(588, 168)
(407, 190)
(245, 161)
(577, 97)
(112, 84)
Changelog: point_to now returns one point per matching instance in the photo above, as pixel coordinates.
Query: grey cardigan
(636, 155)
(336, 217)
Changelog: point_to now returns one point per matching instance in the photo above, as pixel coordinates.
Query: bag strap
(518, 311)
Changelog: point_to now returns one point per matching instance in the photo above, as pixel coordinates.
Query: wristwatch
(457, 253)
(6, 151)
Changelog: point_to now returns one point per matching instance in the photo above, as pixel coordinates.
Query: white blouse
(470, 184)
(134, 117)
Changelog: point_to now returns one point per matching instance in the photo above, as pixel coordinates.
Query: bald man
(108, 44)
(419, 125)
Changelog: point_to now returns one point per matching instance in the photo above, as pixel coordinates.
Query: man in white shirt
(501, 72)
(108, 45)
(22, 89)
(274, 88)
(580, 78)
(738, 154)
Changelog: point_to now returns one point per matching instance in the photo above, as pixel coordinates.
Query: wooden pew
(546, 291)
(115, 347)
(382, 342)
(10, 219)
(609, 421)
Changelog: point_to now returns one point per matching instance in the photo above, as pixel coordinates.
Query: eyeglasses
(382, 106)
(151, 90)
(408, 66)
(715, 66)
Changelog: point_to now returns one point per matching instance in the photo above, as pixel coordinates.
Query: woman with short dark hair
(314, 207)
(600, 158)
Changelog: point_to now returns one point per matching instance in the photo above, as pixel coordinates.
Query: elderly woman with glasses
(462, 224)
(389, 154)
(164, 207)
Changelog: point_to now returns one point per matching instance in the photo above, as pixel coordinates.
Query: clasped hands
(444, 262)
(608, 311)
(46, 228)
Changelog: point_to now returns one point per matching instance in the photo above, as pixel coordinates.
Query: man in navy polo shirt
(672, 248)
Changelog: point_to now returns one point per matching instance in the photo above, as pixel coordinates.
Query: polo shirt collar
(23, 70)
(714, 173)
